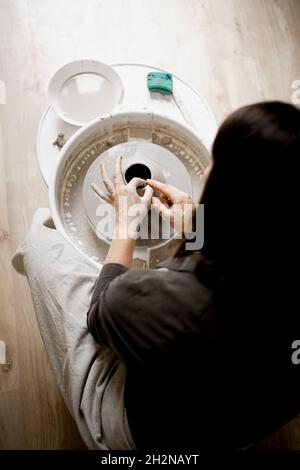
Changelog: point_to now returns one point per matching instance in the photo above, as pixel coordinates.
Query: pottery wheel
(100, 214)
(169, 149)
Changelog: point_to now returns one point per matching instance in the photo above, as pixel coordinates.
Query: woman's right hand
(175, 206)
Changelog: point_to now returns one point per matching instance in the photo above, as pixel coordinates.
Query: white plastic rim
(82, 90)
(79, 137)
(51, 125)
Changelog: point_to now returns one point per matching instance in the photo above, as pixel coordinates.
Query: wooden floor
(232, 51)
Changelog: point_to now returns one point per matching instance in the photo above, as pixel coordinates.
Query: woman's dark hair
(261, 146)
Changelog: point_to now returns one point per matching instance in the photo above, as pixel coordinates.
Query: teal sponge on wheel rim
(161, 82)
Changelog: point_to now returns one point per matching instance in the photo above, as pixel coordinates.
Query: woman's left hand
(125, 199)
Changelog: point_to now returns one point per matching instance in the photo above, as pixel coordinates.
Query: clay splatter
(59, 141)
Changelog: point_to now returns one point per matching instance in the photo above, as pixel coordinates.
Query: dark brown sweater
(195, 377)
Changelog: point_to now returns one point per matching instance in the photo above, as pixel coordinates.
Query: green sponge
(161, 82)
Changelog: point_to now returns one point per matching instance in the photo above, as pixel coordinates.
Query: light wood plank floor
(232, 51)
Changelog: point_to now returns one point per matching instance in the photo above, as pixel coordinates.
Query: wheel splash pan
(95, 139)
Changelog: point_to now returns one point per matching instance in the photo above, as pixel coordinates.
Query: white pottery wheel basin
(178, 157)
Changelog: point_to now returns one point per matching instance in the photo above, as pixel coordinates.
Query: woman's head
(260, 144)
(269, 130)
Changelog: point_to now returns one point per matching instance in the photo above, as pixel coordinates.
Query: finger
(137, 182)
(147, 196)
(100, 193)
(164, 200)
(176, 190)
(163, 188)
(163, 210)
(106, 179)
(178, 193)
(118, 178)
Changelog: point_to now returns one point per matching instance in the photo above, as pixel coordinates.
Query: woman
(195, 374)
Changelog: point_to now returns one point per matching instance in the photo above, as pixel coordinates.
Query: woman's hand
(123, 197)
(175, 206)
